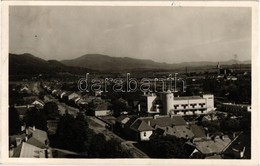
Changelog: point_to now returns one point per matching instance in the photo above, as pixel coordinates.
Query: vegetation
(14, 121)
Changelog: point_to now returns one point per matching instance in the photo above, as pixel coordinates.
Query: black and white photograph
(130, 82)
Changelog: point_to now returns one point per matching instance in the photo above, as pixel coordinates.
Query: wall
(145, 135)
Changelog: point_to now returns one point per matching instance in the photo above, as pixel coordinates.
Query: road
(61, 106)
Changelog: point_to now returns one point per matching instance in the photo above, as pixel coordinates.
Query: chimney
(149, 123)
(33, 128)
(26, 138)
(18, 141)
(208, 137)
(11, 151)
(27, 131)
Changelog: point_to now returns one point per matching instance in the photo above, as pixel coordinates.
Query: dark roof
(103, 106)
(140, 125)
(239, 142)
(198, 131)
(35, 142)
(17, 151)
(165, 121)
(179, 131)
(120, 118)
(22, 109)
(188, 98)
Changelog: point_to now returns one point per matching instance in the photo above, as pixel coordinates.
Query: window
(145, 134)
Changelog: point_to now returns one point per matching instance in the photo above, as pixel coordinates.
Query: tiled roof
(179, 131)
(209, 146)
(198, 131)
(30, 151)
(22, 110)
(33, 141)
(188, 98)
(17, 151)
(102, 106)
(165, 121)
(40, 135)
(140, 125)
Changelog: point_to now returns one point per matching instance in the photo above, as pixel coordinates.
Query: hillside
(28, 64)
(108, 63)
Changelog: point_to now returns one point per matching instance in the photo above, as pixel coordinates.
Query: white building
(166, 104)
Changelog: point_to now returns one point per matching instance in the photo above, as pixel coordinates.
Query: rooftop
(140, 125)
(165, 121)
(210, 146)
(188, 98)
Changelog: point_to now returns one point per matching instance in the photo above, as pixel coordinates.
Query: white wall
(145, 135)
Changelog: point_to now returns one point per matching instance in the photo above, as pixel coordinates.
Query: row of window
(192, 105)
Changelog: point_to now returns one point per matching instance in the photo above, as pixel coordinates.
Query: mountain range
(30, 64)
(20, 64)
(108, 63)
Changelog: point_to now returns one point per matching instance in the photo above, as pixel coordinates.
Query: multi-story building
(165, 103)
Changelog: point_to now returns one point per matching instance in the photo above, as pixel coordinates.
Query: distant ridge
(26, 63)
(107, 63)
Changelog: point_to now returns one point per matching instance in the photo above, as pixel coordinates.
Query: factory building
(165, 103)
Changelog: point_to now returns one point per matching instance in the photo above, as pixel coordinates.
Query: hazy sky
(163, 34)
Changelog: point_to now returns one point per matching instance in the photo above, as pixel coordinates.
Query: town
(206, 114)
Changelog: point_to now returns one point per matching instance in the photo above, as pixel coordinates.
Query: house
(30, 99)
(54, 91)
(239, 148)
(165, 103)
(39, 103)
(70, 95)
(235, 108)
(30, 143)
(179, 132)
(210, 146)
(142, 130)
(52, 126)
(24, 89)
(22, 110)
(103, 109)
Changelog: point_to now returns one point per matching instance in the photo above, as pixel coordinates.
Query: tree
(41, 95)
(51, 110)
(14, 121)
(167, 147)
(71, 133)
(36, 118)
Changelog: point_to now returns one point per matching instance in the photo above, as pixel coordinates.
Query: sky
(161, 34)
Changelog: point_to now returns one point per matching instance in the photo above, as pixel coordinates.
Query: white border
(255, 81)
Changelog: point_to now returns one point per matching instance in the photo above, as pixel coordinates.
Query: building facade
(166, 104)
